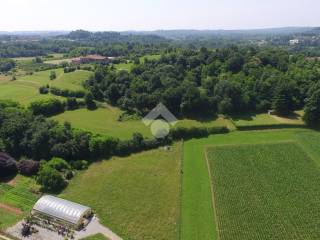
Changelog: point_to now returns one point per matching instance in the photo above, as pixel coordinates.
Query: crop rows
(17, 196)
(266, 191)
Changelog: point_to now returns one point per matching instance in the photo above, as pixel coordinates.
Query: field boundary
(181, 191)
(247, 144)
(212, 195)
(11, 209)
(270, 127)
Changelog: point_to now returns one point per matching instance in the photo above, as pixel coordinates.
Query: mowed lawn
(263, 119)
(198, 221)
(71, 81)
(138, 197)
(26, 88)
(265, 191)
(95, 237)
(105, 121)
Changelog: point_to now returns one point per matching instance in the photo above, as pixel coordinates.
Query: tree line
(230, 80)
(43, 145)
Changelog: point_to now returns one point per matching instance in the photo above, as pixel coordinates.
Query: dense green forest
(230, 81)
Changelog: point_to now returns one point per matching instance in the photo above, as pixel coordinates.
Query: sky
(121, 15)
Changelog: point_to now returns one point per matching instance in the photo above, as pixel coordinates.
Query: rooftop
(61, 209)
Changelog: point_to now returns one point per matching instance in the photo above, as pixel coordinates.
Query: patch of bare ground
(11, 209)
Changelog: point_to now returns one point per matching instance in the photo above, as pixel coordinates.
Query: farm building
(90, 59)
(61, 211)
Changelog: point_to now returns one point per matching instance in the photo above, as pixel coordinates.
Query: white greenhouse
(62, 211)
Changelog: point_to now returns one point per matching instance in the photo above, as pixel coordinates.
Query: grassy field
(72, 81)
(105, 121)
(150, 57)
(96, 237)
(197, 214)
(266, 119)
(261, 191)
(137, 196)
(26, 88)
(254, 119)
(197, 221)
(213, 122)
(17, 195)
(124, 66)
(129, 65)
(58, 61)
(55, 56)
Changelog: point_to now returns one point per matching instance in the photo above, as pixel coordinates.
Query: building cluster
(92, 59)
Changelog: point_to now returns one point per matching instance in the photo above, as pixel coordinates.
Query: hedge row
(51, 107)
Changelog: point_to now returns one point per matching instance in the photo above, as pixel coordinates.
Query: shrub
(102, 146)
(53, 75)
(58, 164)
(187, 133)
(26, 230)
(48, 107)
(8, 165)
(80, 164)
(50, 179)
(72, 103)
(43, 90)
(90, 102)
(28, 167)
(67, 93)
(6, 64)
(8, 103)
(69, 69)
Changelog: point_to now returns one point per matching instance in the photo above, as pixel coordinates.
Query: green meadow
(105, 121)
(138, 197)
(26, 88)
(96, 237)
(264, 119)
(129, 65)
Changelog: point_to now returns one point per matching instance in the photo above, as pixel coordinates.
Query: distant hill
(34, 33)
(111, 37)
(183, 34)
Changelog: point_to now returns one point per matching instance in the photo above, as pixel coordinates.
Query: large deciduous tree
(312, 108)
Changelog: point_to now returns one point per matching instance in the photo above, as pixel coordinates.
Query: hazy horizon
(144, 15)
(153, 30)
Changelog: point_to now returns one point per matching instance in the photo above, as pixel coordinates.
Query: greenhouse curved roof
(61, 209)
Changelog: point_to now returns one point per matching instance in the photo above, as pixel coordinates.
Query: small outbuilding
(61, 211)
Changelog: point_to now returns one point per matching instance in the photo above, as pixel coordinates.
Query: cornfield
(265, 191)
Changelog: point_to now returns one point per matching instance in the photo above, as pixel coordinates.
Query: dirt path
(11, 209)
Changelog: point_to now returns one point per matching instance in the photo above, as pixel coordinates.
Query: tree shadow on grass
(291, 116)
(7, 179)
(202, 119)
(244, 116)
